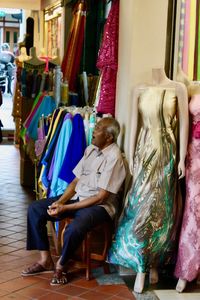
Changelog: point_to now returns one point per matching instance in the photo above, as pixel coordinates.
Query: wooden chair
(94, 248)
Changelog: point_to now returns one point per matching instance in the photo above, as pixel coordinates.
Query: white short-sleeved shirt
(101, 169)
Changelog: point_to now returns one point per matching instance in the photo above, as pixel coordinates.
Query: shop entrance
(11, 25)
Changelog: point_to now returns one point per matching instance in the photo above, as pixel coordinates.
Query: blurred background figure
(7, 68)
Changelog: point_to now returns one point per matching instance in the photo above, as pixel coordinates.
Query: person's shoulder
(115, 152)
(89, 149)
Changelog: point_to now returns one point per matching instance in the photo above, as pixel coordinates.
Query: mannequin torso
(23, 55)
(34, 60)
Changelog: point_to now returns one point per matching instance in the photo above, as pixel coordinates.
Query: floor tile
(14, 258)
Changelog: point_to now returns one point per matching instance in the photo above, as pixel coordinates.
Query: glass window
(15, 37)
(7, 36)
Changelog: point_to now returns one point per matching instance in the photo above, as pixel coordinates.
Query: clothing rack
(66, 140)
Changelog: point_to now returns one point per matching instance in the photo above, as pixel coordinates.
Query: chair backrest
(123, 191)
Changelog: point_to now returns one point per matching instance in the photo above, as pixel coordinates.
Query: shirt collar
(107, 149)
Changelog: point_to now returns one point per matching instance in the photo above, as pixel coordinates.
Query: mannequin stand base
(181, 285)
(139, 283)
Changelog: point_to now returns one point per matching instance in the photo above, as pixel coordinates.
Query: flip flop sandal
(59, 278)
(35, 269)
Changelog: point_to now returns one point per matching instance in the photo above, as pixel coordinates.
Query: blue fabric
(46, 107)
(55, 114)
(49, 152)
(58, 186)
(75, 149)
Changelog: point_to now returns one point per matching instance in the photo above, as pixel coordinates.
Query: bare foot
(181, 285)
(153, 276)
(139, 283)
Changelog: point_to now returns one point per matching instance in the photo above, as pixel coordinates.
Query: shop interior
(86, 58)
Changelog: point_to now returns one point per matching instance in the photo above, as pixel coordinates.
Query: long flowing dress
(188, 261)
(147, 230)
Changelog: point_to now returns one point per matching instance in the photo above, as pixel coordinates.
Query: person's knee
(75, 229)
(33, 208)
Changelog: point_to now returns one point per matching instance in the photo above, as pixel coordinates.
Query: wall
(142, 41)
(24, 4)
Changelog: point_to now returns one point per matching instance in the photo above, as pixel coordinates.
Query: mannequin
(188, 266)
(145, 236)
(182, 77)
(34, 60)
(55, 60)
(23, 55)
(17, 97)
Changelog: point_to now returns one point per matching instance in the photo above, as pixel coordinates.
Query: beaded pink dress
(188, 261)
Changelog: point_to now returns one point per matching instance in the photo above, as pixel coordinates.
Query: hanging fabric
(72, 57)
(108, 61)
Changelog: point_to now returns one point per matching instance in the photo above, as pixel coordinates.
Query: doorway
(10, 33)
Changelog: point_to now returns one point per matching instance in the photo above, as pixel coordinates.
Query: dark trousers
(84, 220)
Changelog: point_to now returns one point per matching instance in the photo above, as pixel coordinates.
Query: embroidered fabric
(108, 61)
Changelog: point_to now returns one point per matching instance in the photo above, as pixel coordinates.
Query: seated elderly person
(91, 198)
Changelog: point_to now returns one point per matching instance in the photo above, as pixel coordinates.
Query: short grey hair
(112, 127)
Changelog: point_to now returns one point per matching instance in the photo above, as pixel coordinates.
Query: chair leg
(106, 268)
(88, 260)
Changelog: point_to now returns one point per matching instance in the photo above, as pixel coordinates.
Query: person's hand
(55, 209)
(181, 169)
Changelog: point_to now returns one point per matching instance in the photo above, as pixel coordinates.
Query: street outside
(6, 112)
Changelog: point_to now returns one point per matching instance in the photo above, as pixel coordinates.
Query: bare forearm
(100, 198)
(82, 204)
(69, 192)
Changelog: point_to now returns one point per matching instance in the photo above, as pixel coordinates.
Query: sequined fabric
(17, 102)
(188, 261)
(108, 61)
(147, 229)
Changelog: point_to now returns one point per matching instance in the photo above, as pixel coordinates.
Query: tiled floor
(14, 200)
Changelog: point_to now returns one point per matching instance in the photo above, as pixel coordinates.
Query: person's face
(101, 138)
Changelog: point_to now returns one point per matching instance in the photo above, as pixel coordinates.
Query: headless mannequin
(56, 58)
(182, 77)
(159, 78)
(193, 89)
(34, 60)
(23, 55)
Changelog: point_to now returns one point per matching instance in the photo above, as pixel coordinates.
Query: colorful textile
(192, 31)
(58, 186)
(75, 149)
(45, 108)
(188, 260)
(186, 37)
(108, 61)
(198, 60)
(147, 230)
(72, 57)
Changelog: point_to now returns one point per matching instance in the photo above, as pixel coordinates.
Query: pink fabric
(188, 261)
(186, 37)
(108, 61)
(196, 130)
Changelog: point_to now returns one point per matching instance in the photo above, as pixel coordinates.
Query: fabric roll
(108, 61)
(196, 41)
(198, 60)
(186, 37)
(192, 30)
(181, 33)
